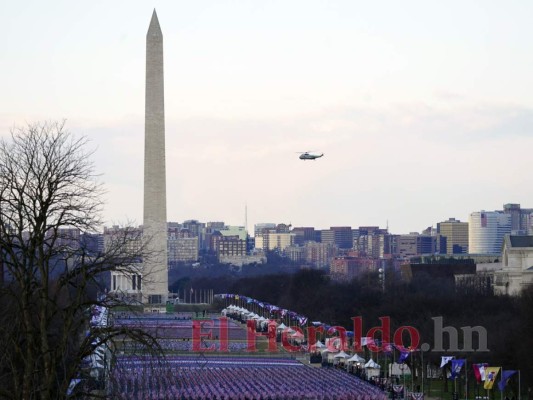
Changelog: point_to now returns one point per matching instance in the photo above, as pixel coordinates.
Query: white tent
(372, 364)
(372, 368)
(342, 354)
(317, 346)
(328, 354)
(356, 358)
(281, 327)
(263, 322)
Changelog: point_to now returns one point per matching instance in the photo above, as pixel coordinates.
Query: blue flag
(506, 374)
(403, 357)
(456, 367)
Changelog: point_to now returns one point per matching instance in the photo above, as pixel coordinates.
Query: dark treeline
(508, 321)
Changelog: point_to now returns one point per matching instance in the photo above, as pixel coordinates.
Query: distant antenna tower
(387, 226)
(246, 217)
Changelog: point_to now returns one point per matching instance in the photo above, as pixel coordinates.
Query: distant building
(231, 246)
(415, 244)
(182, 249)
(364, 245)
(283, 228)
(373, 242)
(197, 229)
(93, 243)
(340, 236)
(486, 230)
(182, 244)
(218, 225)
(370, 245)
(456, 233)
(355, 237)
(521, 219)
(210, 229)
(241, 260)
(116, 235)
(274, 241)
(194, 226)
(371, 230)
(264, 227)
(239, 231)
(442, 269)
(319, 255)
(387, 245)
(68, 238)
(125, 285)
(517, 265)
(345, 268)
(295, 253)
(303, 234)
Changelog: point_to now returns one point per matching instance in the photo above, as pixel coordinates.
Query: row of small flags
(302, 320)
(482, 372)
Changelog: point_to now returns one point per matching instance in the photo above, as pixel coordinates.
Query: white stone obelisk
(155, 270)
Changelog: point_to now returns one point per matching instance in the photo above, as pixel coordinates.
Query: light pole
(382, 278)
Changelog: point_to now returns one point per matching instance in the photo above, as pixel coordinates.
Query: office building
(486, 230)
(340, 236)
(456, 233)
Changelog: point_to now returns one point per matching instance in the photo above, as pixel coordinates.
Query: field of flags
(235, 373)
(229, 373)
(240, 378)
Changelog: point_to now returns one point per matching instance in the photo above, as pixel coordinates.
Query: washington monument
(155, 271)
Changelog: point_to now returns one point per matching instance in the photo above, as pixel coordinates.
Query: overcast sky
(424, 109)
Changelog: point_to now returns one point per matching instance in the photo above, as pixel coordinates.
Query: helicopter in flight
(307, 155)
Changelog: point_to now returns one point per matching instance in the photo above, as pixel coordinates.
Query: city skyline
(434, 225)
(423, 112)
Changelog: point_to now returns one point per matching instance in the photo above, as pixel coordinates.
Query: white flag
(445, 360)
(482, 372)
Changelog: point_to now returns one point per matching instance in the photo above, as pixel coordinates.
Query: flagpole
(423, 370)
(501, 376)
(466, 379)
(519, 388)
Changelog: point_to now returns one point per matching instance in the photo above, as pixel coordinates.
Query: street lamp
(382, 278)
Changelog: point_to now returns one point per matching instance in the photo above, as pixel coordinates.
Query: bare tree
(48, 191)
